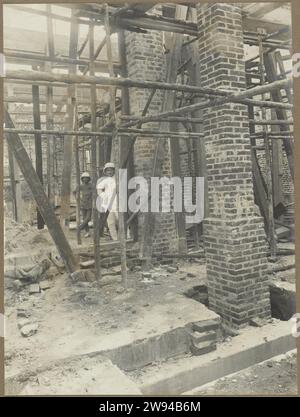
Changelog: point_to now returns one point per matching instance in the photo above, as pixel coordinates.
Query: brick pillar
(234, 236)
(146, 61)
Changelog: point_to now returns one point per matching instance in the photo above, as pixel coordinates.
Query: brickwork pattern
(146, 61)
(235, 243)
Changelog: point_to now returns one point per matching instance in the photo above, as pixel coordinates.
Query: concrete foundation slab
(250, 347)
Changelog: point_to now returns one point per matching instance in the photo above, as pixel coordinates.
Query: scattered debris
(21, 312)
(257, 322)
(172, 269)
(29, 329)
(45, 285)
(34, 289)
(17, 285)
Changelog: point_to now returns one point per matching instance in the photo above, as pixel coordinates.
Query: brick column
(146, 61)
(235, 242)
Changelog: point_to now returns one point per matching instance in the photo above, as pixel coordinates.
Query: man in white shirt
(106, 189)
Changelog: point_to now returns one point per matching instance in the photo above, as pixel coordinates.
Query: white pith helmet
(109, 165)
(85, 175)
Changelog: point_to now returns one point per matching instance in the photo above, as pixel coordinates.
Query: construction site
(158, 301)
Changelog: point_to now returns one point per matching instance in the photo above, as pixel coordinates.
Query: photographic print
(149, 200)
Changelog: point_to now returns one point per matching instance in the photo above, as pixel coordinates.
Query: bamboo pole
(271, 223)
(124, 132)
(68, 141)
(96, 54)
(49, 111)
(121, 223)
(77, 170)
(127, 82)
(176, 119)
(53, 84)
(271, 122)
(12, 56)
(127, 145)
(13, 184)
(38, 145)
(96, 226)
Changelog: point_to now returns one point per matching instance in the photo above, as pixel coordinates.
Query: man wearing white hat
(106, 189)
(86, 201)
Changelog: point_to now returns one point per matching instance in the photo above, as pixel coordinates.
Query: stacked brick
(234, 236)
(146, 61)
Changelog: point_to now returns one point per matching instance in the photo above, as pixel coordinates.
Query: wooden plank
(33, 181)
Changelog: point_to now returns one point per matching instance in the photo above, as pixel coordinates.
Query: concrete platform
(159, 333)
(253, 346)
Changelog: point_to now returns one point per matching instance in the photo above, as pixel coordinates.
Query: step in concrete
(160, 331)
(198, 337)
(205, 326)
(202, 348)
(252, 346)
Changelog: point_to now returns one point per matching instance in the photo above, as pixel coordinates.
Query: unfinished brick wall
(146, 61)
(234, 237)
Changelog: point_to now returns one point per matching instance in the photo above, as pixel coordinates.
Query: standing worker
(86, 201)
(106, 189)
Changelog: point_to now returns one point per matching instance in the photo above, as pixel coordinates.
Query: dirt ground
(273, 377)
(68, 311)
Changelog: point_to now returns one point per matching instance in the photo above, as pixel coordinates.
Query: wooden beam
(20, 57)
(271, 122)
(77, 173)
(49, 110)
(94, 174)
(127, 145)
(37, 144)
(24, 162)
(102, 133)
(121, 218)
(200, 159)
(15, 186)
(281, 114)
(68, 141)
(53, 84)
(268, 160)
(176, 119)
(264, 9)
(236, 98)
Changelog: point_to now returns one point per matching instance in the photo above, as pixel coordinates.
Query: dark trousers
(86, 215)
